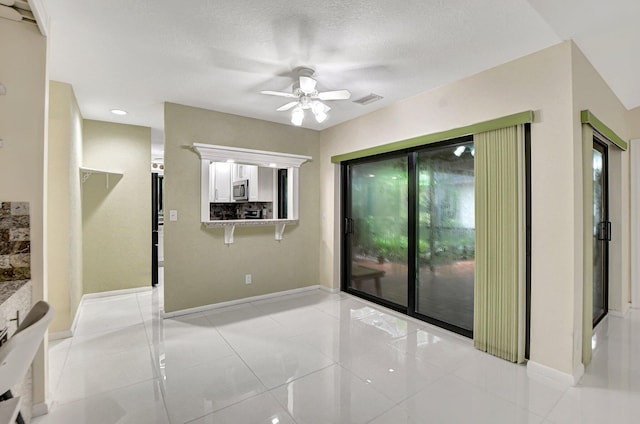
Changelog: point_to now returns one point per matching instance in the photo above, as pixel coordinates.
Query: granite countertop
(8, 288)
(248, 222)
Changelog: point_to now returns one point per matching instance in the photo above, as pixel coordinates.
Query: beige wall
(633, 123)
(199, 268)
(539, 82)
(64, 205)
(23, 112)
(591, 92)
(116, 220)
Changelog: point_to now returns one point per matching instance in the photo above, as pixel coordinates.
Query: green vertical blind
(499, 243)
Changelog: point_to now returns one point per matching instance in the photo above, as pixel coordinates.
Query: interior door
(601, 232)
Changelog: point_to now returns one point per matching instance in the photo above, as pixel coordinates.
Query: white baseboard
(39, 409)
(58, 335)
(329, 290)
(619, 314)
(552, 375)
(114, 293)
(70, 332)
(206, 308)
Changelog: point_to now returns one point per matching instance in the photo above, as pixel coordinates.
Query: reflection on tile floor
(314, 358)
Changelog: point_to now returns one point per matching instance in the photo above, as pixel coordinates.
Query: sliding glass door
(409, 232)
(377, 227)
(446, 235)
(601, 232)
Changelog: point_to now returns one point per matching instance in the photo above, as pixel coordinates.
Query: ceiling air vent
(16, 10)
(368, 99)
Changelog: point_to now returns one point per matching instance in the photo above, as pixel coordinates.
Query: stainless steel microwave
(241, 190)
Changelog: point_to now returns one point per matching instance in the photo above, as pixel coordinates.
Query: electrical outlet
(247, 278)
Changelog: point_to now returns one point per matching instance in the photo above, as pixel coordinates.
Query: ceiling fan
(307, 97)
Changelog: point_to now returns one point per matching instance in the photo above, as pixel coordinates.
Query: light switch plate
(173, 215)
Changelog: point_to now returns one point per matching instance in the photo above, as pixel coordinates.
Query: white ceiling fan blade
(279, 94)
(307, 84)
(287, 106)
(335, 95)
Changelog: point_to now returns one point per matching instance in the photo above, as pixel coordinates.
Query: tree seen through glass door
(379, 241)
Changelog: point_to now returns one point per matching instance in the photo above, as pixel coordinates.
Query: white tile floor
(315, 358)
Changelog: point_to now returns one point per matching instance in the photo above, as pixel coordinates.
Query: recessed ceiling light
(119, 112)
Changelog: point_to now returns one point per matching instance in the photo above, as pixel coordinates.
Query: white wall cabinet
(220, 182)
(241, 172)
(260, 181)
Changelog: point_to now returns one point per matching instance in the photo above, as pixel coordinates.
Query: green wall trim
(494, 124)
(587, 117)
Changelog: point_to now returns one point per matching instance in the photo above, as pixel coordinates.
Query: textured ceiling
(135, 55)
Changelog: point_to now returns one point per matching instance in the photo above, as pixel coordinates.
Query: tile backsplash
(15, 244)
(240, 210)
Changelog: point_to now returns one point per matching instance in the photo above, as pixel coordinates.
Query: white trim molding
(554, 376)
(113, 293)
(214, 306)
(329, 290)
(215, 153)
(59, 335)
(619, 314)
(39, 409)
(41, 15)
(70, 332)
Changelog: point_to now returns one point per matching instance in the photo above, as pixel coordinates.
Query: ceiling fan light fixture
(319, 107)
(297, 116)
(320, 117)
(308, 97)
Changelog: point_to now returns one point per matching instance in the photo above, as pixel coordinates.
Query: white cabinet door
(212, 182)
(241, 172)
(265, 184)
(221, 182)
(253, 182)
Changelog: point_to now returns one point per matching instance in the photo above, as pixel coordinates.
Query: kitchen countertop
(8, 288)
(249, 222)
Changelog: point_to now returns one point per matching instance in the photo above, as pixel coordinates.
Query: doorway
(157, 222)
(601, 231)
(409, 232)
